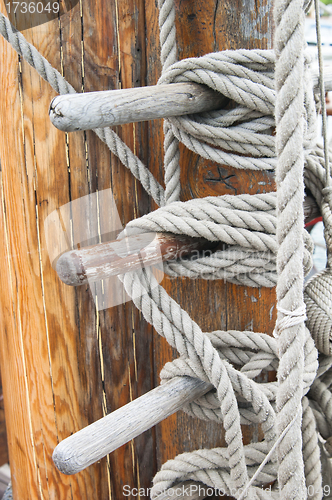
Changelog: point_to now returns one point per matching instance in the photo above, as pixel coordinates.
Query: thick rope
(246, 223)
(247, 78)
(289, 112)
(168, 56)
(215, 471)
(311, 453)
(181, 332)
(253, 353)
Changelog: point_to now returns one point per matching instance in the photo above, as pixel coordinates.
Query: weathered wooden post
(65, 364)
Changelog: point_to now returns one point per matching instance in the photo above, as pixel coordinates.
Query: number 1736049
(33, 7)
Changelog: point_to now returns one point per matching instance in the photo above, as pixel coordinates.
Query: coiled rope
(248, 225)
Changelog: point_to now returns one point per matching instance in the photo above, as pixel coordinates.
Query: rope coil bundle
(289, 418)
(246, 223)
(246, 77)
(317, 293)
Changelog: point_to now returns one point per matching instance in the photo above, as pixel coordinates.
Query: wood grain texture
(29, 441)
(116, 107)
(3, 434)
(92, 443)
(69, 363)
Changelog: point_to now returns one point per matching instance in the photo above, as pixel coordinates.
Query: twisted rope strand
(289, 112)
(168, 56)
(311, 453)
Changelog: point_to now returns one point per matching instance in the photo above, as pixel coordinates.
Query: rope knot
(291, 318)
(240, 136)
(246, 78)
(245, 356)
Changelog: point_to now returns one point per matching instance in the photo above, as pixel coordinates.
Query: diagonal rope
(60, 85)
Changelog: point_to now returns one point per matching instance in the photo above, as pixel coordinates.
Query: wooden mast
(63, 363)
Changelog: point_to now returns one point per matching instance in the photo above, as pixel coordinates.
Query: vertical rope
(168, 56)
(289, 49)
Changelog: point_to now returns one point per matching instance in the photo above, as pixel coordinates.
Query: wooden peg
(92, 443)
(96, 262)
(92, 110)
(115, 107)
(78, 267)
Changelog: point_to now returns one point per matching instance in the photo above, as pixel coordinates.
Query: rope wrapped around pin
(246, 224)
(252, 116)
(244, 131)
(245, 355)
(237, 399)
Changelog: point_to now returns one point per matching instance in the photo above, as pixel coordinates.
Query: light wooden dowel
(116, 107)
(96, 262)
(92, 443)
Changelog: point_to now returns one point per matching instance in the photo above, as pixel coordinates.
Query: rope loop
(245, 224)
(291, 318)
(245, 355)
